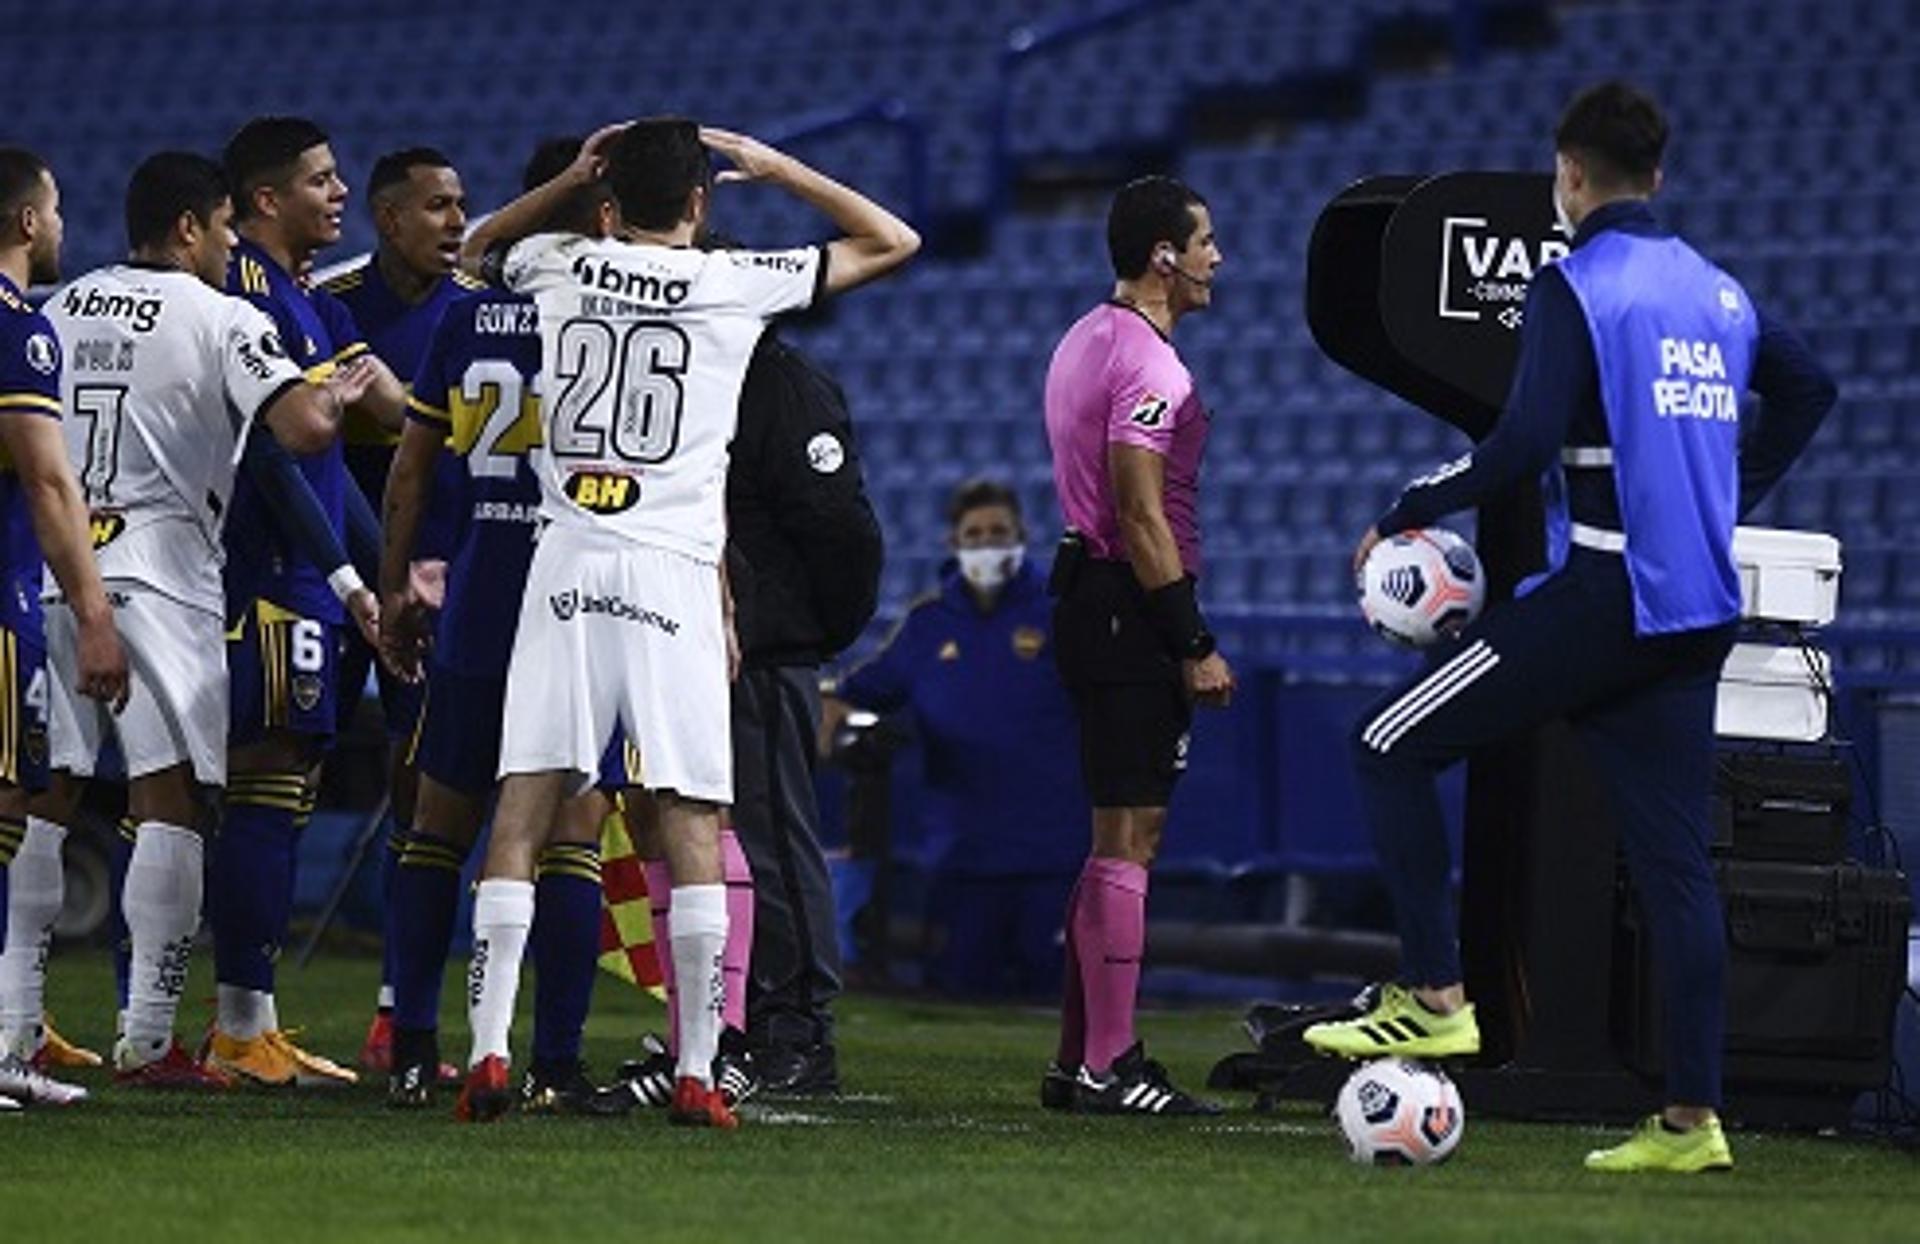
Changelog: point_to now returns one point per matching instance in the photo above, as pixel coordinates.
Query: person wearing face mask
(971, 665)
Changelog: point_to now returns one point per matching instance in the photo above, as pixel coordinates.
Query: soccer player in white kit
(165, 374)
(645, 344)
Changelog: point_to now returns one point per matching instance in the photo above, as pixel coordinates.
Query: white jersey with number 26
(644, 350)
(164, 374)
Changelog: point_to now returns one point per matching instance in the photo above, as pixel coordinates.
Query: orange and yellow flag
(626, 920)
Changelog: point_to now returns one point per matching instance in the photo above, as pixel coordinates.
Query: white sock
(384, 1001)
(245, 1014)
(697, 927)
(162, 905)
(36, 888)
(502, 915)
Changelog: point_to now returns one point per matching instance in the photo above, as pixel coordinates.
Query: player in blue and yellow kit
(476, 393)
(43, 522)
(284, 652)
(396, 297)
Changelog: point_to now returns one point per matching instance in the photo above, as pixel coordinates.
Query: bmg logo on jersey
(644, 287)
(602, 492)
(140, 313)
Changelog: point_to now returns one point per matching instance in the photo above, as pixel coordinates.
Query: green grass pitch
(939, 1138)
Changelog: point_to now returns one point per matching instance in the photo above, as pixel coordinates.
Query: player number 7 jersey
(164, 375)
(645, 349)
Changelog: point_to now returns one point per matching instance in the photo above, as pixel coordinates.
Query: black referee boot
(1135, 1085)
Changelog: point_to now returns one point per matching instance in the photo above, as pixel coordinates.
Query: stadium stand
(990, 119)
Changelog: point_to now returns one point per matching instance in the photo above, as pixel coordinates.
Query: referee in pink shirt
(1127, 431)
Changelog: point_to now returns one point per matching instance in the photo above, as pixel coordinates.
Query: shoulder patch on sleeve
(825, 453)
(1150, 411)
(41, 354)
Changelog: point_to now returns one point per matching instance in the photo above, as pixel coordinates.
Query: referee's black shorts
(1126, 688)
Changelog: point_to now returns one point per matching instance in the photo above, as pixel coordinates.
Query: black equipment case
(1817, 958)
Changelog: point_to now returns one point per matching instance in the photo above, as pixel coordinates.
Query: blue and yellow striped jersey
(319, 334)
(30, 361)
(478, 386)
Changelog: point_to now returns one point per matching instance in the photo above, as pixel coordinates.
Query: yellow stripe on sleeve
(37, 402)
(428, 409)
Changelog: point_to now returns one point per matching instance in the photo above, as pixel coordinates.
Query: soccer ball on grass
(1397, 1112)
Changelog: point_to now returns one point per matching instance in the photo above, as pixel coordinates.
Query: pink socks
(1106, 936)
(739, 952)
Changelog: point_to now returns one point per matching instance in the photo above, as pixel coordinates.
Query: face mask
(989, 569)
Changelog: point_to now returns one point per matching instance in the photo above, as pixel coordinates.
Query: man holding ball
(1633, 357)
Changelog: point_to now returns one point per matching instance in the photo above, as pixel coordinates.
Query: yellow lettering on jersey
(106, 527)
(602, 492)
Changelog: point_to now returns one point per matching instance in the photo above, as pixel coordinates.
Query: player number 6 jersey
(645, 350)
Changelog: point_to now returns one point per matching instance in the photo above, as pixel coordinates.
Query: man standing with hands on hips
(1127, 431)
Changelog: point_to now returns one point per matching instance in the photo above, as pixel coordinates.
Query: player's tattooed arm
(38, 451)
(409, 488)
(876, 241)
(525, 215)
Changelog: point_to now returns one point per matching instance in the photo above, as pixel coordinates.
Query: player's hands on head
(592, 160)
(1209, 680)
(103, 664)
(752, 159)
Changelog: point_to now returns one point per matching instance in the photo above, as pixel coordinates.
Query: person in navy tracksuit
(1626, 399)
(1003, 805)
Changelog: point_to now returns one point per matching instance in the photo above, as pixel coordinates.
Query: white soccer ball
(1419, 586)
(1396, 1112)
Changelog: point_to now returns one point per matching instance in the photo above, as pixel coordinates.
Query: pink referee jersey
(1115, 380)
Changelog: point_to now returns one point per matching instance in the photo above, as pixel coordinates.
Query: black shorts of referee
(1126, 686)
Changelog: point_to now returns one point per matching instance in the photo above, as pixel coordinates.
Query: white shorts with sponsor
(177, 705)
(613, 632)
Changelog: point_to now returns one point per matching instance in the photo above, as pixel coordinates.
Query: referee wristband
(1175, 612)
(345, 582)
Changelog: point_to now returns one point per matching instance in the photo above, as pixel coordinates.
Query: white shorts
(177, 703)
(614, 633)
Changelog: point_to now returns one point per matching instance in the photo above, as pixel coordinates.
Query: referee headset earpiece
(1164, 260)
